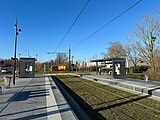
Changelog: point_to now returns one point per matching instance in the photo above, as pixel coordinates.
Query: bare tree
(8, 63)
(39, 66)
(157, 26)
(61, 58)
(147, 33)
(95, 56)
(103, 55)
(132, 51)
(116, 49)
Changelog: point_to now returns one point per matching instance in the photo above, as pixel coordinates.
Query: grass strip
(97, 102)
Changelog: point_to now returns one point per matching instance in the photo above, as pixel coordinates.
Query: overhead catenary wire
(72, 25)
(112, 20)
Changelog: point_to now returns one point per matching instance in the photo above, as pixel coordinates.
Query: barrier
(1, 90)
(146, 77)
(7, 82)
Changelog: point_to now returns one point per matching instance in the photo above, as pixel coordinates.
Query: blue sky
(44, 23)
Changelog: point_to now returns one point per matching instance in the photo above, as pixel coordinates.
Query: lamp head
(19, 30)
(15, 26)
(154, 38)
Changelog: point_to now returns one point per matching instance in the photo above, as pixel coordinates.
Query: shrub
(136, 75)
(153, 75)
(139, 69)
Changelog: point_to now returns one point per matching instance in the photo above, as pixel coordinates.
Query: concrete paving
(34, 98)
(148, 87)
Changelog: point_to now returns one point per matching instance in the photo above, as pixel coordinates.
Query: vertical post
(96, 68)
(152, 39)
(69, 67)
(36, 63)
(28, 53)
(76, 66)
(113, 69)
(72, 64)
(59, 58)
(72, 59)
(44, 68)
(15, 48)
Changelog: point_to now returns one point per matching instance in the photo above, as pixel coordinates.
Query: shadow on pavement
(44, 114)
(36, 110)
(31, 86)
(24, 95)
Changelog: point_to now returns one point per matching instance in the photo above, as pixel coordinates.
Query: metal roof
(27, 59)
(107, 59)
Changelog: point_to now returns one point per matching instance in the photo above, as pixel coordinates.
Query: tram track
(119, 111)
(158, 111)
(113, 104)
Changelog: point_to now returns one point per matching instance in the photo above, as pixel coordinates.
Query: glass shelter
(114, 66)
(27, 67)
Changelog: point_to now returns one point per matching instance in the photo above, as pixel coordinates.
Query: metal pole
(69, 68)
(36, 62)
(28, 53)
(72, 59)
(96, 68)
(15, 48)
(76, 66)
(59, 58)
(152, 48)
(72, 64)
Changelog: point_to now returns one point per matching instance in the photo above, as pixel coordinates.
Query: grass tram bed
(106, 102)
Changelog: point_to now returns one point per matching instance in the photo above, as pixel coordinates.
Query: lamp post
(17, 30)
(69, 66)
(19, 56)
(72, 59)
(72, 64)
(152, 48)
(36, 62)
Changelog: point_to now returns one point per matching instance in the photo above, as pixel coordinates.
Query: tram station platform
(34, 98)
(148, 87)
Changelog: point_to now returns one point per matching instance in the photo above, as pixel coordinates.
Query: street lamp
(72, 59)
(19, 56)
(36, 62)
(72, 64)
(17, 30)
(152, 45)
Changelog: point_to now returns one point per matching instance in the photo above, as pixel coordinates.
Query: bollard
(146, 77)
(7, 82)
(1, 90)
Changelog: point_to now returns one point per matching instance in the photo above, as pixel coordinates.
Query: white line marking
(52, 112)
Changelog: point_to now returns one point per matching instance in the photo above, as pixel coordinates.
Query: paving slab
(62, 107)
(34, 98)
